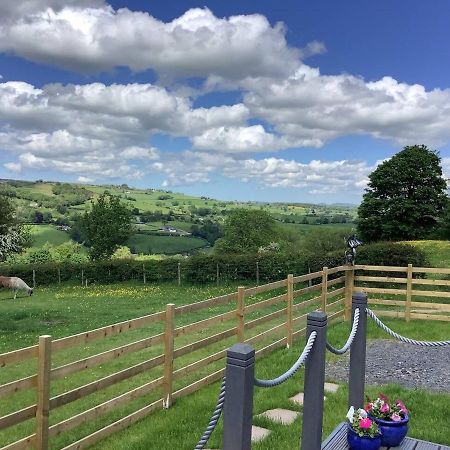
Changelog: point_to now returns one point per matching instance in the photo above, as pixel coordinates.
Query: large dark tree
(106, 226)
(405, 197)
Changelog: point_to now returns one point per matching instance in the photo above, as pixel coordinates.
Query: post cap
(317, 318)
(241, 351)
(359, 297)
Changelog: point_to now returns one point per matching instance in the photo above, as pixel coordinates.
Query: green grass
(48, 233)
(170, 245)
(181, 426)
(65, 310)
(438, 252)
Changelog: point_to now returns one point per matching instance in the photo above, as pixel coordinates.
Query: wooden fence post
(143, 273)
(408, 293)
(289, 309)
(34, 278)
(59, 275)
(43, 392)
(217, 274)
(257, 273)
(324, 289)
(168, 355)
(179, 274)
(82, 277)
(349, 283)
(240, 313)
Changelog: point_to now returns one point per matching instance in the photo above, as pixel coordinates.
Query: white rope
(344, 349)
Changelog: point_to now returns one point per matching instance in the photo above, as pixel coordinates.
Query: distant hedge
(201, 269)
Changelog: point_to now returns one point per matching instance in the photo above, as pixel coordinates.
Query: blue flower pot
(356, 442)
(392, 433)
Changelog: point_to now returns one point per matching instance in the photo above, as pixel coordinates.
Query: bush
(203, 268)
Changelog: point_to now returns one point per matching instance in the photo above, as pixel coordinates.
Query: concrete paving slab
(284, 416)
(259, 433)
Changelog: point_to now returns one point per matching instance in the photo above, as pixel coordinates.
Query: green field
(169, 245)
(48, 233)
(66, 310)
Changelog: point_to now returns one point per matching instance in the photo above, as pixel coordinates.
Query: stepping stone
(259, 433)
(283, 416)
(331, 387)
(298, 398)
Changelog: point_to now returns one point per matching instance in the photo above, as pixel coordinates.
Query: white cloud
(13, 167)
(308, 105)
(83, 179)
(93, 39)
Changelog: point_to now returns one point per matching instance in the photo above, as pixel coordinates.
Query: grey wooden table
(338, 441)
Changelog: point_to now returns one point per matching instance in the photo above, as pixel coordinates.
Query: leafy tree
(106, 226)
(209, 231)
(245, 231)
(404, 198)
(13, 235)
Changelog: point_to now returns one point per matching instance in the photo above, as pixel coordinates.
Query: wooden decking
(338, 441)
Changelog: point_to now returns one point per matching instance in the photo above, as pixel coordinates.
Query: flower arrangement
(382, 408)
(362, 424)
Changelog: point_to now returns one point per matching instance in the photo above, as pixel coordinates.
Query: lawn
(69, 309)
(48, 233)
(181, 426)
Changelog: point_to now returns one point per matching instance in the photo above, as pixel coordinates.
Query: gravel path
(391, 361)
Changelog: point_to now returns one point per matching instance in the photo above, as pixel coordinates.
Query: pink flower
(402, 406)
(368, 407)
(396, 417)
(384, 408)
(365, 423)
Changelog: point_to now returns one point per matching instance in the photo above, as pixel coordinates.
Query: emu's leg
(15, 293)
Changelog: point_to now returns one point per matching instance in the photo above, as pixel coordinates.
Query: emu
(16, 284)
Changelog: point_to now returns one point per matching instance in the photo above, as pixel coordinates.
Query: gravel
(389, 361)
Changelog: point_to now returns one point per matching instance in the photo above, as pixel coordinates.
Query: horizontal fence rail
(180, 358)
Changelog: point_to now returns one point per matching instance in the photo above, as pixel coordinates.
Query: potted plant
(392, 419)
(362, 432)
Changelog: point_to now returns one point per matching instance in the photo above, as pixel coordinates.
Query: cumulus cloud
(99, 38)
(308, 105)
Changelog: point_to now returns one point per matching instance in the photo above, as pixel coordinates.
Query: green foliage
(405, 197)
(325, 240)
(13, 236)
(209, 231)
(391, 254)
(106, 226)
(246, 230)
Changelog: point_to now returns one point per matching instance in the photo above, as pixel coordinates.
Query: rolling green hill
(47, 204)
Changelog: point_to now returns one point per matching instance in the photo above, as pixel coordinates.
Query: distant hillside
(59, 204)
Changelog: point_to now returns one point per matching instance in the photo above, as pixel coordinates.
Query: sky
(294, 101)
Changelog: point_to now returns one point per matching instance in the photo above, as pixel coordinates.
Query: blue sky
(274, 101)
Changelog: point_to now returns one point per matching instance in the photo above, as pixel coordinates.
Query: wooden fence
(186, 354)
(404, 292)
(268, 316)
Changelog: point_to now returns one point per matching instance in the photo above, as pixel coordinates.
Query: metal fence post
(314, 383)
(238, 407)
(358, 353)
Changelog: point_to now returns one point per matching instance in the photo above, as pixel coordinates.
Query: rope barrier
(384, 327)
(344, 349)
(214, 418)
(289, 373)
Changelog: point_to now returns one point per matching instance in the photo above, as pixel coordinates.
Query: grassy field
(169, 245)
(47, 233)
(65, 310)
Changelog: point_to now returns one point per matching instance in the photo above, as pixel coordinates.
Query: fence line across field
(330, 290)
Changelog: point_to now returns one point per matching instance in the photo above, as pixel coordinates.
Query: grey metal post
(314, 383)
(358, 353)
(238, 407)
